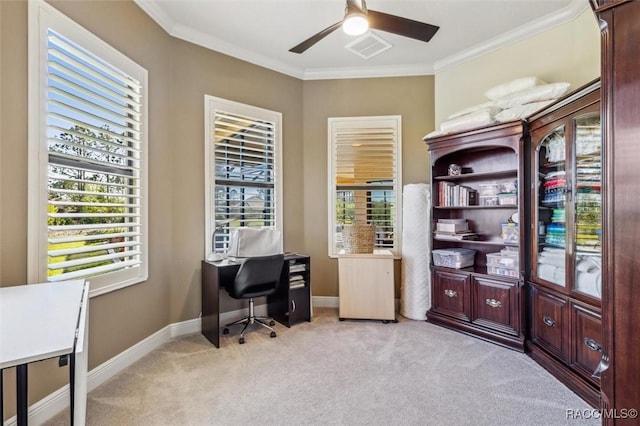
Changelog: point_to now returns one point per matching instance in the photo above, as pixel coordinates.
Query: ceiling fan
(357, 19)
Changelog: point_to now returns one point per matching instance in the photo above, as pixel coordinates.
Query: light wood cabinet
(366, 286)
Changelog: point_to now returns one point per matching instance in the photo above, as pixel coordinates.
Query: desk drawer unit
(292, 302)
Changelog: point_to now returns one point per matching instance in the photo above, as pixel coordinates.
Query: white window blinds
(244, 170)
(365, 178)
(93, 131)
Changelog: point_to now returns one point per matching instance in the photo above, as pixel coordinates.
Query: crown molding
(568, 14)
(368, 72)
(185, 33)
(229, 49)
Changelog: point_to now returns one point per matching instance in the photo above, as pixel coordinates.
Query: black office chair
(257, 277)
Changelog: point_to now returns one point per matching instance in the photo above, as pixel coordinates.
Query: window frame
(394, 121)
(211, 105)
(43, 17)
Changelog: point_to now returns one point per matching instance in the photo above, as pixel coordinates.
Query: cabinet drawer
(549, 322)
(496, 304)
(451, 294)
(586, 341)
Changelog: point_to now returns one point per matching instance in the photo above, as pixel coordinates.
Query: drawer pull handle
(493, 303)
(592, 344)
(450, 293)
(603, 365)
(293, 305)
(548, 321)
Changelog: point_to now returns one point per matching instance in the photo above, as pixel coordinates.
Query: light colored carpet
(337, 373)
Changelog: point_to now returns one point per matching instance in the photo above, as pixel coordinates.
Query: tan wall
(180, 74)
(200, 71)
(569, 52)
(410, 97)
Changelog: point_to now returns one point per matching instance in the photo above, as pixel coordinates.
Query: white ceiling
(263, 31)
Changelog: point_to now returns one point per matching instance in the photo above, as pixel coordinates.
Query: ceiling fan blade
(315, 38)
(401, 26)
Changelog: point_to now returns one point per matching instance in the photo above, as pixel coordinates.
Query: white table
(41, 321)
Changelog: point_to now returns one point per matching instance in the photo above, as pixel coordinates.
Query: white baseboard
(45, 409)
(325, 302)
(49, 406)
(52, 404)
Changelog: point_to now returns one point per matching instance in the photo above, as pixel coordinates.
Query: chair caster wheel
(225, 331)
(273, 334)
(241, 340)
(272, 323)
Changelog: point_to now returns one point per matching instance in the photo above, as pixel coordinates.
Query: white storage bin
(507, 199)
(454, 257)
(499, 260)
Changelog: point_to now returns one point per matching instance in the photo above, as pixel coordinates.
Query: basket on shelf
(358, 238)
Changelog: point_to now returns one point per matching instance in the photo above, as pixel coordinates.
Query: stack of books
(453, 229)
(452, 195)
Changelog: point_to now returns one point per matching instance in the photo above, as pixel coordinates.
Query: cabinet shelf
(502, 206)
(479, 176)
(476, 242)
(470, 299)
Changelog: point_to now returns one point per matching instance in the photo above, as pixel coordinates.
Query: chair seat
(257, 277)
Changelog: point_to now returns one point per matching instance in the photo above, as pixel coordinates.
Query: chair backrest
(257, 276)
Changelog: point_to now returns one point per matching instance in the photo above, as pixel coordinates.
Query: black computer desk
(285, 306)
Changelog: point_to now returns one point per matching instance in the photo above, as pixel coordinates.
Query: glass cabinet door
(588, 206)
(550, 259)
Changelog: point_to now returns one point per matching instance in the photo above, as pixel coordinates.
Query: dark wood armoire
(620, 382)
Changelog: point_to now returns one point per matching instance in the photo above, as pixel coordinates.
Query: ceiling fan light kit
(355, 24)
(363, 18)
(355, 21)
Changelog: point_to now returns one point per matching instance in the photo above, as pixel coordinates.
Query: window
(365, 178)
(242, 171)
(87, 163)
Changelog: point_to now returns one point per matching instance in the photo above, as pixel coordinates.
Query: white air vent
(368, 46)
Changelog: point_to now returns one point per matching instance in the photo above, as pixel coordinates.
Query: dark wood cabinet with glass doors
(565, 240)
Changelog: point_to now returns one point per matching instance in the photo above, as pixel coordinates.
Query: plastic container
(507, 199)
(488, 200)
(510, 232)
(503, 270)
(454, 257)
(488, 189)
(500, 260)
(508, 187)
